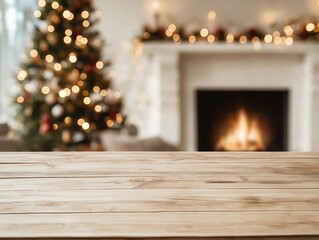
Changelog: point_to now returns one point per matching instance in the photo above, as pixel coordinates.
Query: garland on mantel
(293, 31)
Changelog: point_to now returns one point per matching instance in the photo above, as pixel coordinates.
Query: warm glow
(310, 27)
(98, 108)
(67, 14)
(83, 76)
(96, 89)
(110, 123)
(42, 3)
(117, 94)
(85, 125)
(289, 30)
(103, 93)
(50, 28)
(230, 38)
(57, 67)
(34, 53)
(37, 13)
(62, 93)
(22, 75)
(243, 39)
(20, 99)
(212, 15)
(75, 89)
(68, 32)
(49, 58)
(268, 38)
(55, 5)
(192, 39)
(211, 38)
(85, 14)
(176, 37)
(72, 58)
(81, 121)
(169, 33)
(99, 65)
(204, 32)
(87, 100)
(67, 39)
(86, 23)
(289, 41)
(68, 120)
(244, 134)
(172, 27)
(45, 90)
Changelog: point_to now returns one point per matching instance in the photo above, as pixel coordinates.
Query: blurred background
(159, 75)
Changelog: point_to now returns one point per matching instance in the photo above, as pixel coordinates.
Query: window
(15, 32)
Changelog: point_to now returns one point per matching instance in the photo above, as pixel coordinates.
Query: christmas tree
(65, 95)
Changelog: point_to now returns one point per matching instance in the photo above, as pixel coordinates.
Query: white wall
(123, 20)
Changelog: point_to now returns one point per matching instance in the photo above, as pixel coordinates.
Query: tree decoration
(292, 31)
(62, 82)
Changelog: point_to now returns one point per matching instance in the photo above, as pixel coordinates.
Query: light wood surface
(159, 195)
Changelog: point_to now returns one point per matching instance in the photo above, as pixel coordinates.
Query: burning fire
(244, 134)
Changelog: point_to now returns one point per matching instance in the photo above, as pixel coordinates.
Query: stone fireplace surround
(177, 71)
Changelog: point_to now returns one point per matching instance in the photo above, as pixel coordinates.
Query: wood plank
(75, 169)
(174, 200)
(223, 224)
(157, 157)
(166, 182)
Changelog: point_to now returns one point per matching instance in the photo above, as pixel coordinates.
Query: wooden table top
(159, 195)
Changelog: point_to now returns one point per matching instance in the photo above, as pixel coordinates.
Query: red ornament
(45, 125)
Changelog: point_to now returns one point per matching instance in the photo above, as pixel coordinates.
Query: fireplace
(242, 120)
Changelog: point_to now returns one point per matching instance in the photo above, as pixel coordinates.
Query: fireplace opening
(242, 120)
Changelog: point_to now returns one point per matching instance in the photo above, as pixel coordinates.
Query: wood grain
(159, 195)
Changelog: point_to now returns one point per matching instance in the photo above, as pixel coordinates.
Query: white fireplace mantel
(181, 69)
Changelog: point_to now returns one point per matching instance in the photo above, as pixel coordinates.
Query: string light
(110, 123)
(81, 121)
(34, 53)
(55, 126)
(67, 91)
(169, 32)
(96, 89)
(310, 27)
(20, 99)
(68, 120)
(211, 38)
(62, 93)
(67, 39)
(87, 100)
(85, 126)
(72, 58)
(37, 14)
(176, 37)
(119, 118)
(86, 23)
(172, 27)
(204, 32)
(99, 65)
(289, 41)
(55, 5)
(84, 41)
(113, 74)
(103, 93)
(83, 76)
(230, 38)
(277, 40)
(68, 32)
(50, 28)
(243, 39)
(42, 3)
(22, 75)
(45, 90)
(49, 58)
(98, 108)
(57, 67)
(268, 38)
(85, 14)
(192, 39)
(80, 83)
(289, 30)
(75, 89)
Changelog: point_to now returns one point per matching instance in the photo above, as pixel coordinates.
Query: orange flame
(244, 135)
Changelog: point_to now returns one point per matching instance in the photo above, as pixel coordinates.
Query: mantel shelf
(168, 47)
